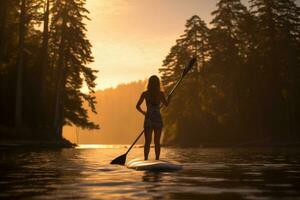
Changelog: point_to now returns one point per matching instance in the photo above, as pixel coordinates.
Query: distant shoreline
(11, 137)
(263, 143)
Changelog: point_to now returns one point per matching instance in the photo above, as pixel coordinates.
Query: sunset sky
(131, 38)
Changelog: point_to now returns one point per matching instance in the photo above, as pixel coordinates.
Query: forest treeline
(245, 86)
(120, 122)
(44, 54)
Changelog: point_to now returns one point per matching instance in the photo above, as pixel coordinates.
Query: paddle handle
(185, 71)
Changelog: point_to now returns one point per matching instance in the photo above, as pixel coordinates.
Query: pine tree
(4, 10)
(277, 53)
(71, 53)
(8, 47)
(19, 89)
(182, 116)
(229, 47)
(44, 63)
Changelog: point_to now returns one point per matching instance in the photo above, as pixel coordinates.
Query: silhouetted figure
(153, 120)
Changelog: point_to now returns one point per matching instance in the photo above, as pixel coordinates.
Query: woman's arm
(139, 103)
(164, 100)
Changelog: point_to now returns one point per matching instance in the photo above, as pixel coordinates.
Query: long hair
(153, 87)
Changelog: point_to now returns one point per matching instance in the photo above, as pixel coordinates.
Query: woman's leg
(157, 134)
(148, 138)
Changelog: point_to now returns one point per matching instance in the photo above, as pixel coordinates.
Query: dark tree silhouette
(185, 111)
(43, 63)
(246, 86)
(73, 52)
(19, 89)
(277, 58)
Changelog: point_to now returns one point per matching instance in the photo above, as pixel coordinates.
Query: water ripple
(85, 173)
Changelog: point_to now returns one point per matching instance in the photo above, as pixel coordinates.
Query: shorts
(153, 120)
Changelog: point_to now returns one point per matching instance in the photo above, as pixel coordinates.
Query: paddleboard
(153, 165)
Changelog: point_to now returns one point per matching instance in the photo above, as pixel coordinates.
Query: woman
(153, 121)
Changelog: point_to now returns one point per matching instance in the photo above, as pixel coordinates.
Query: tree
(34, 56)
(8, 47)
(229, 46)
(71, 53)
(182, 117)
(19, 89)
(44, 62)
(277, 37)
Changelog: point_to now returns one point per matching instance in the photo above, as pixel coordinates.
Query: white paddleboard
(153, 165)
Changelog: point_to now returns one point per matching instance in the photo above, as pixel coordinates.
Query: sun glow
(99, 146)
(131, 38)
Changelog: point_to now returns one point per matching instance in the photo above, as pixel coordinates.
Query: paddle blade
(119, 160)
(189, 66)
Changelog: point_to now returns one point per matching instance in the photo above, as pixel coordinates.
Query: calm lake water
(85, 173)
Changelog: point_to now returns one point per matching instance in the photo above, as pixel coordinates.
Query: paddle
(122, 159)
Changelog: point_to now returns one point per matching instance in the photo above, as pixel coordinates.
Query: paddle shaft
(176, 85)
(135, 141)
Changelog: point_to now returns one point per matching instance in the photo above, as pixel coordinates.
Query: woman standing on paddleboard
(153, 120)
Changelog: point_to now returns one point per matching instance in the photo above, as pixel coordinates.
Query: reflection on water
(85, 173)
